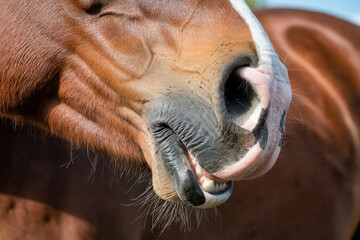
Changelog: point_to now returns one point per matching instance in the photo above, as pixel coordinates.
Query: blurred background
(346, 9)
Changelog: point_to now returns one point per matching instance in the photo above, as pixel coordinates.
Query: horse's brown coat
(312, 193)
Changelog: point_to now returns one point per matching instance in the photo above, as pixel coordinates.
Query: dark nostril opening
(239, 95)
(94, 9)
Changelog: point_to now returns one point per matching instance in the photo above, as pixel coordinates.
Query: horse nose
(239, 96)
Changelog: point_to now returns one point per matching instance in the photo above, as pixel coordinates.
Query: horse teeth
(216, 188)
(202, 180)
(210, 186)
(207, 185)
(198, 171)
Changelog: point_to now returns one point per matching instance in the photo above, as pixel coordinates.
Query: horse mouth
(207, 182)
(193, 184)
(215, 190)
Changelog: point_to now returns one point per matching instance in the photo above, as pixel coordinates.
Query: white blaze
(265, 49)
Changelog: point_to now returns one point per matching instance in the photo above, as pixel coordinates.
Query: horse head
(192, 89)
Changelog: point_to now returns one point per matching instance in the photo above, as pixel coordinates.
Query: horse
(51, 110)
(128, 78)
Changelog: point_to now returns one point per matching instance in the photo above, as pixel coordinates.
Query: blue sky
(347, 9)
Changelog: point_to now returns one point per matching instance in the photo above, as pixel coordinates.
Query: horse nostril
(239, 95)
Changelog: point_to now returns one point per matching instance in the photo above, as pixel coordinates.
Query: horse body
(327, 48)
(43, 196)
(311, 193)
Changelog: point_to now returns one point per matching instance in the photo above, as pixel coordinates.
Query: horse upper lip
(239, 169)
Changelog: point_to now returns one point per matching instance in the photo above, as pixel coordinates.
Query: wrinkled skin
(311, 193)
(150, 83)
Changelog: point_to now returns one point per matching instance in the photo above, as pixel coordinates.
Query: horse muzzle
(204, 147)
